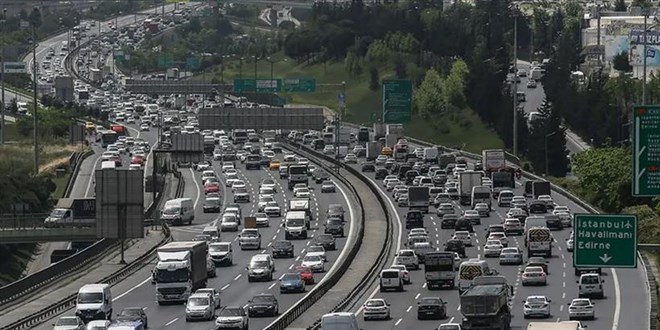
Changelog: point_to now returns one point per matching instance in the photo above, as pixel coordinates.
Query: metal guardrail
(304, 304)
(79, 159)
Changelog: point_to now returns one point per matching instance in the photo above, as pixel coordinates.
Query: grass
(464, 128)
(60, 184)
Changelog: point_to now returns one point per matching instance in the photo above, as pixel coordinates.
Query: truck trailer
(466, 181)
(485, 305)
(419, 199)
(72, 212)
(181, 269)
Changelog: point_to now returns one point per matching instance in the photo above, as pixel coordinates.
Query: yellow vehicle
(387, 151)
(274, 164)
(90, 126)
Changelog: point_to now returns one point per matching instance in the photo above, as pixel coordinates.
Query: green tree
(605, 175)
(374, 78)
(454, 87)
(428, 97)
(547, 132)
(400, 68)
(621, 62)
(620, 5)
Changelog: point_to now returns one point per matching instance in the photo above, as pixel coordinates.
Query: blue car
(292, 282)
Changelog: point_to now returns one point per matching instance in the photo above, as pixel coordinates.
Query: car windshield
(250, 233)
(281, 244)
(230, 219)
(325, 238)
(334, 221)
(535, 300)
(172, 210)
(259, 264)
(130, 312)
(533, 270)
(590, 280)
(67, 321)
(198, 301)
(312, 258)
(58, 213)
(260, 215)
(291, 277)
(231, 312)
(90, 298)
(580, 303)
(219, 248)
(315, 249)
(375, 303)
(262, 300)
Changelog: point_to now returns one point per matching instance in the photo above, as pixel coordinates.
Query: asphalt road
(137, 290)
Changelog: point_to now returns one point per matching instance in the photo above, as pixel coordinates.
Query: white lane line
(561, 308)
(196, 185)
(281, 277)
(237, 277)
(451, 320)
(424, 285)
(290, 267)
(409, 308)
(417, 296)
(272, 285)
(224, 287)
(459, 308)
(170, 322)
(617, 295)
(563, 295)
(398, 322)
(131, 289)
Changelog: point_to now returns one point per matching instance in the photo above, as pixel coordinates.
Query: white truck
(431, 155)
(493, 160)
(181, 269)
(295, 225)
(72, 212)
(536, 74)
(391, 140)
(394, 129)
(302, 204)
(373, 150)
(379, 131)
(539, 242)
(566, 325)
(439, 270)
(466, 181)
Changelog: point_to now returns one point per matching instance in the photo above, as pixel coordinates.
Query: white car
(407, 258)
(405, 274)
(302, 193)
(269, 183)
(381, 159)
(376, 308)
(450, 326)
(350, 158)
(144, 127)
(229, 223)
(69, 323)
(227, 165)
(317, 250)
(98, 325)
(272, 209)
(418, 231)
(547, 199)
(499, 236)
(262, 219)
(238, 184)
(314, 262)
(463, 236)
(536, 306)
(565, 218)
(231, 173)
(328, 149)
(581, 308)
(493, 248)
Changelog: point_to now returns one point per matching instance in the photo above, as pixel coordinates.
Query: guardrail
(79, 159)
(304, 304)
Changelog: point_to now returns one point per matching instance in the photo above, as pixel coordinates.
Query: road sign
(303, 85)
(646, 150)
(165, 61)
(605, 240)
(397, 101)
(193, 63)
(118, 54)
(15, 67)
(260, 85)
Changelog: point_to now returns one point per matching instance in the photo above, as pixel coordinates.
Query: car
(404, 273)
(328, 149)
(211, 204)
(241, 195)
(565, 218)
(473, 216)
(226, 166)
(455, 245)
(538, 262)
(445, 208)
(232, 317)
(200, 306)
(269, 184)
(69, 323)
(513, 226)
(328, 187)
(482, 209)
(203, 166)
(449, 221)
(306, 273)
(144, 127)
(570, 243)
(536, 306)
(511, 256)
(531, 83)
(493, 248)
(431, 308)
(263, 201)
(229, 222)
(274, 165)
(533, 275)
(303, 192)
(450, 326)
(327, 241)
(282, 248)
(272, 209)
(581, 308)
(221, 253)
(334, 226)
(292, 282)
(368, 167)
(408, 258)
(501, 236)
(262, 219)
(463, 236)
(98, 325)
(376, 308)
(210, 264)
(129, 314)
(547, 199)
(402, 200)
(211, 187)
(317, 250)
(314, 262)
(350, 159)
(264, 304)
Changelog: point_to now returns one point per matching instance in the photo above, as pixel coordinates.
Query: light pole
(2, 78)
(546, 152)
(646, 15)
(256, 59)
(515, 80)
(273, 88)
(240, 77)
(35, 115)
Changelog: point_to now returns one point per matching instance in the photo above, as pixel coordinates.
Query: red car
(211, 187)
(137, 160)
(306, 274)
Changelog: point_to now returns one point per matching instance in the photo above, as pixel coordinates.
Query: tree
(374, 78)
(400, 68)
(620, 5)
(548, 132)
(621, 62)
(605, 175)
(454, 87)
(428, 97)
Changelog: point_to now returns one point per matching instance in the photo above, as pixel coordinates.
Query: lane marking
(237, 277)
(91, 176)
(617, 305)
(398, 322)
(272, 285)
(131, 289)
(409, 308)
(198, 190)
(224, 287)
(170, 322)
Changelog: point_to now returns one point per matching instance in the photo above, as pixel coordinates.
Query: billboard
(261, 118)
(119, 203)
(636, 50)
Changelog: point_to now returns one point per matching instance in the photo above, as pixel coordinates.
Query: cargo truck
(395, 130)
(446, 159)
(439, 270)
(502, 180)
(72, 212)
(419, 199)
(493, 160)
(541, 188)
(390, 140)
(302, 204)
(373, 150)
(297, 174)
(485, 305)
(363, 135)
(181, 269)
(466, 181)
(295, 225)
(573, 325)
(344, 136)
(379, 131)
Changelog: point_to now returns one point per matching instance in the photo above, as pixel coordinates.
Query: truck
(573, 325)
(296, 224)
(538, 241)
(390, 140)
(379, 131)
(297, 174)
(302, 204)
(502, 180)
(395, 130)
(344, 136)
(419, 199)
(466, 181)
(445, 159)
(481, 194)
(209, 144)
(439, 270)
(373, 150)
(541, 188)
(72, 212)
(431, 155)
(485, 305)
(363, 135)
(181, 269)
(493, 160)
(536, 74)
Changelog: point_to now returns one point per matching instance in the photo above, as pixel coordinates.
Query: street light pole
(240, 77)
(255, 77)
(271, 80)
(646, 15)
(34, 100)
(2, 81)
(515, 81)
(547, 163)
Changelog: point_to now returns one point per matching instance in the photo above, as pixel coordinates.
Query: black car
(455, 245)
(414, 219)
(431, 308)
(320, 175)
(537, 207)
(211, 205)
(463, 224)
(133, 314)
(276, 148)
(264, 304)
(448, 221)
(368, 167)
(553, 222)
(318, 144)
(381, 173)
(327, 241)
(282, 249)
(494, 229)
(335, 211)
(335, 227)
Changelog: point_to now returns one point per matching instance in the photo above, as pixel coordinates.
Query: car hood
(316, 254)
(229, 319)
(312, 263)
(65, 327)
(129, 318)
(220, 254)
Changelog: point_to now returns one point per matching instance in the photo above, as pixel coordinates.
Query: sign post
(605, 240)
(646, 151)
(397, 101)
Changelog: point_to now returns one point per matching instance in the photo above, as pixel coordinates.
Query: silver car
(69, 323)
(511, 256)
(200, 306)
(536, 306)
(534, 275)
(581, 308)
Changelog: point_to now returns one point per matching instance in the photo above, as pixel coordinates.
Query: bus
(108, 138)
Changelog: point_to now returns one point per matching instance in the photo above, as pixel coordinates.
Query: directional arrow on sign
(605, 258)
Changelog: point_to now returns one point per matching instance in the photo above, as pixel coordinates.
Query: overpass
(29, 228)
(299, 4)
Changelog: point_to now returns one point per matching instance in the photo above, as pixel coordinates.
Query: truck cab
(94, 302)
(295, 225)
(249, 238)
(72, 212)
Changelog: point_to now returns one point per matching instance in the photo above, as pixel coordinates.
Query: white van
(339, 321)
(213, 231)
(94, 302)
(590, 285)
(22, 107)
(391, 279)
(178, 211)
(470, 269)
(108, 164)
(431, 155)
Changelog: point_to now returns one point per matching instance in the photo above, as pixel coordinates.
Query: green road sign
(397, 101)
(193, 63)
(646, 150)
(605, 240)
(260, 85)
(165, 61)
(303, 85)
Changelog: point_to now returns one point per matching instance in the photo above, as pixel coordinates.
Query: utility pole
(35, 115)
(271, 80)
(240, 77)
(598, 34)
(2, 78)
(515, 81)
(646, 15)
(255, 77)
